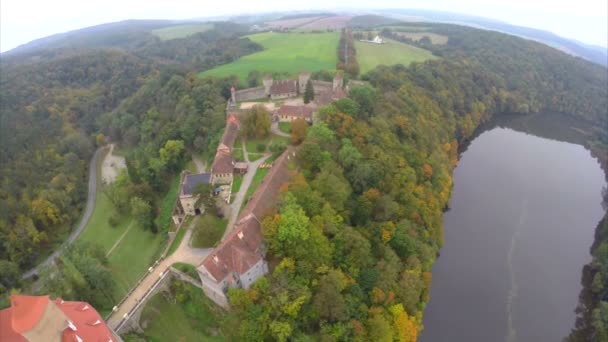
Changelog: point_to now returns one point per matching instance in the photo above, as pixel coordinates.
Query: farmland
(291, 23)
(181, 31)
(390, 53)
(328, 23)
(284, 52)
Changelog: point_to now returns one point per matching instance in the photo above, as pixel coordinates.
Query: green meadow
(285, 52)
(392, 52)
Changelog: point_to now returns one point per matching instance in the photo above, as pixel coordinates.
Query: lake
(522, 218)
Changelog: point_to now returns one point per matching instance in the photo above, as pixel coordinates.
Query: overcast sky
(24, 20)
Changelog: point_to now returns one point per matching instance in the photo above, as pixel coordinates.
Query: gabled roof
(192, 181)
(283, 87)
(223, 162)
(303, 112)
(242, 247)
(240, 251)
(230, 133)
(43, 315)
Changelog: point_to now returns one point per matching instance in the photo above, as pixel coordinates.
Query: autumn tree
(256, 122)
(299, 128)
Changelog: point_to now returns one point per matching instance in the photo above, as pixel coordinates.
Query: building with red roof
(239, 260)
(38, 318)
(288, 113)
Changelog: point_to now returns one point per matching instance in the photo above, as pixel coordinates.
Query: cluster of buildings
(221, 176)
(40, 319)
(239, 259)
(325, 93)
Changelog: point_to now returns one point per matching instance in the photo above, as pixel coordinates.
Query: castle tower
(267, 84)
(338, 82)
(233, 95)
(302, 80)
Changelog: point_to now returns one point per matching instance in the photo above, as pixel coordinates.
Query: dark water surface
(522, 219)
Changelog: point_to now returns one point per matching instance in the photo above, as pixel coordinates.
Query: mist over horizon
(585, 22)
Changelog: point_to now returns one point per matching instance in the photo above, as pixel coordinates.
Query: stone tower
(268, 81)
(233, 95)
(302, 80)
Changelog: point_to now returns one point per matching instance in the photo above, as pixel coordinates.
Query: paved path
(86, 216)
(184, 253)
(274, 127)
(240, 196)
(200, 165)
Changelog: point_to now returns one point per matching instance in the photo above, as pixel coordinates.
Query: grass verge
(285, 127)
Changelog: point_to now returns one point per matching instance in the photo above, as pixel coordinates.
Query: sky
(22, 21)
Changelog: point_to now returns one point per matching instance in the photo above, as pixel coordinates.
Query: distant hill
(122, 34)
(596, 54)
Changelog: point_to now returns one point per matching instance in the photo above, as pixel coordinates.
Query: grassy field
(285, 52)
(285, 127)
(208, 231)
(194, 319)
(391, 53)
(181, 31)
(131, 248)
(252, 145)
(434, 37)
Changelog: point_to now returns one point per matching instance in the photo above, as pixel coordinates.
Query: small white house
(376, 40)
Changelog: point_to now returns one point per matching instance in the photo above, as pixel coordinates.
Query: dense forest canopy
(359, 225)
(53, 106)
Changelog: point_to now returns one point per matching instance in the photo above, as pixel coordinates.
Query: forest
(56, 111)
(359, 226)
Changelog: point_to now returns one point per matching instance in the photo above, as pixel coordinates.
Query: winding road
(86, 216)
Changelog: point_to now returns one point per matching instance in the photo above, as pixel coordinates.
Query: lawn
(178, 239)
(390, 53)
(164, 221)
(252, 145)
(236, 184)
(285, 127)
(285, 53)
(208, 231)
(181, 31)
(257, 179)
(193, 318)
(237, 154)
(191, 166)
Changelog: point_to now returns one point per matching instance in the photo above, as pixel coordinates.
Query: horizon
(586, 20)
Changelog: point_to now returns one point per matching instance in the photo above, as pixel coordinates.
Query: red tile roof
(26, 312)
(283, 87)
(303, 112)
(223, 162)
(230, 133)
(89, 324)
(236, 254)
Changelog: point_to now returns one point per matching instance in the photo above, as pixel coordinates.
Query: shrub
(113, 221)
(261, 147)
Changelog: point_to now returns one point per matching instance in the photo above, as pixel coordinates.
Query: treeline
(538, 76)
(347, 55)
(51, 114)
(359, 226)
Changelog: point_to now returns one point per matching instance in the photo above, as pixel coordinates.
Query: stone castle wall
(250, 94)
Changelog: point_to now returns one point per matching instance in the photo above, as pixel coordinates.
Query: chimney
(216, 259)
(240, 235)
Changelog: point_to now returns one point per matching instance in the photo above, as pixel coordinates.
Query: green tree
(172, 154)
(328, 301)
(142, 213)
(309, 93)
